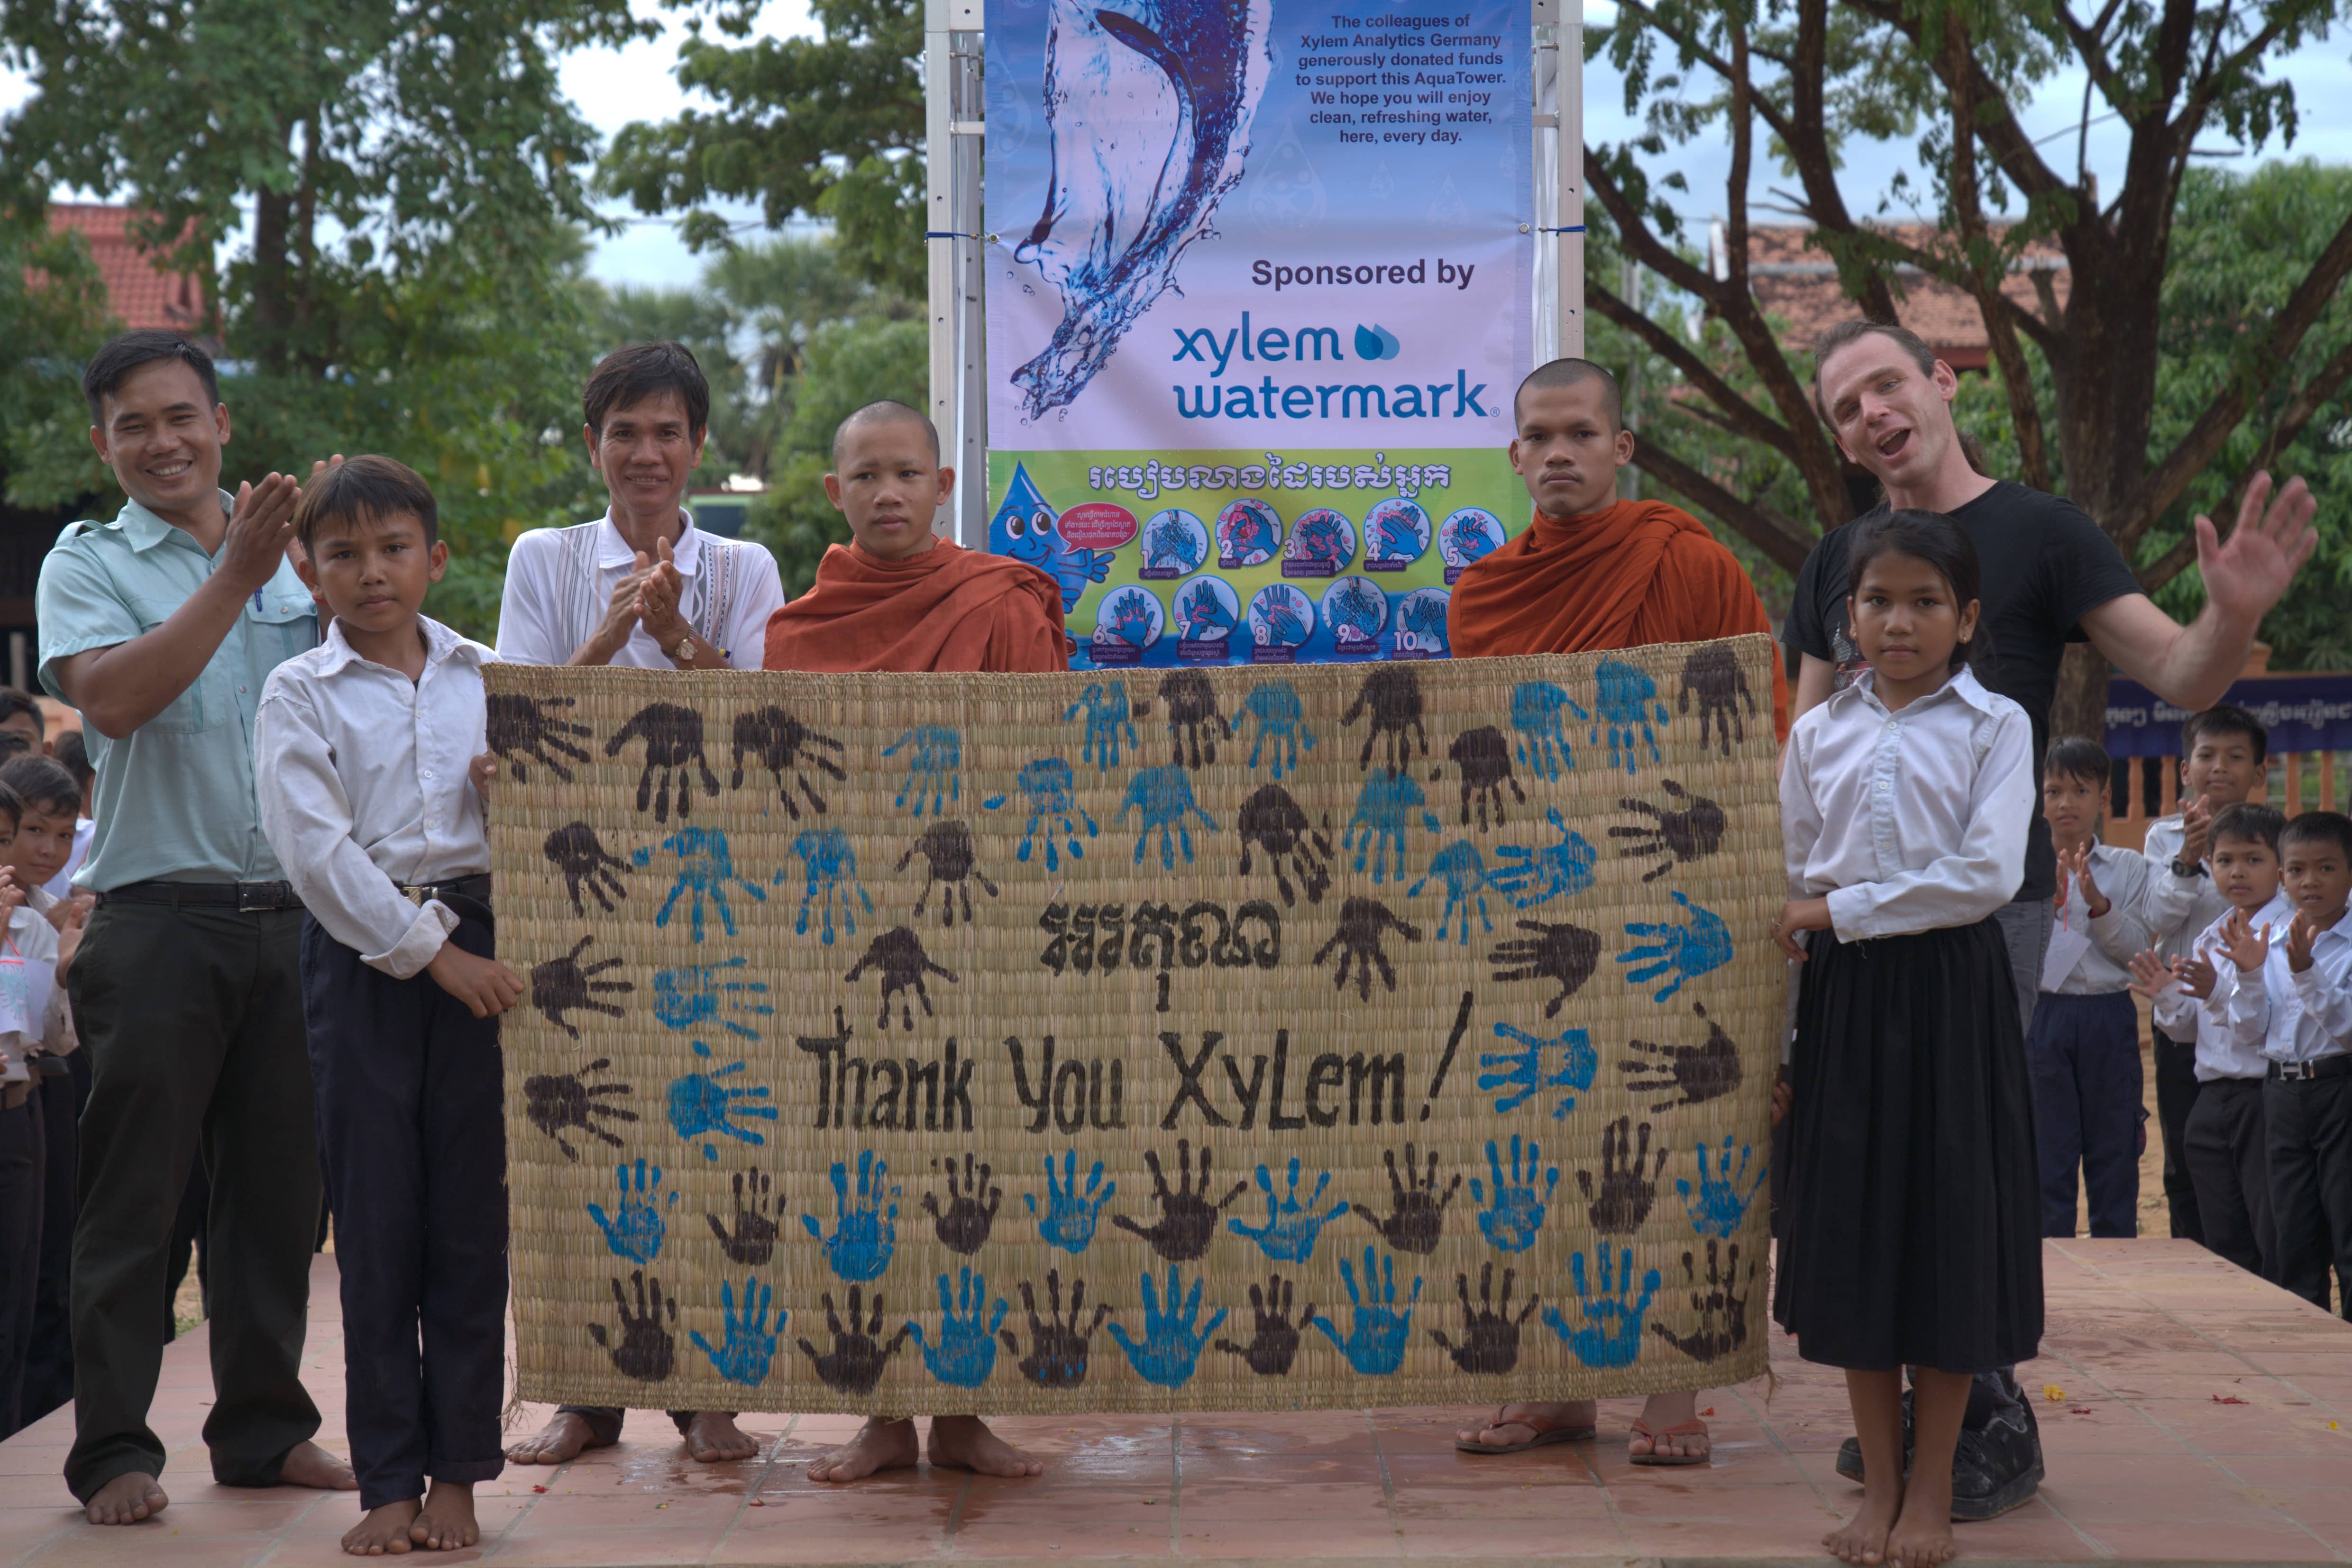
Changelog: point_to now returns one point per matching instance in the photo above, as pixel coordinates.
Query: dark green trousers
(191, 1016)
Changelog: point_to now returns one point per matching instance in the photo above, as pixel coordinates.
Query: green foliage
(53, 312)
(826, 127)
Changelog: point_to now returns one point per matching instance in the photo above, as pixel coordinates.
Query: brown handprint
(1722, 1310)
(753, 1240)
(561, 986)
(1490, 1335)
(1561, 953)
(673, 737)
(643, 1349)
(1416, 1209)
(1362, 923)
(1627, 1189)
(775, 740)
(521, 728)
(1274, 1343)
(962, 1224)
(1187, 1220)
(1058, 1348)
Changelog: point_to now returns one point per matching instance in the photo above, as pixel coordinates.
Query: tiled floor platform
(2189, 1414)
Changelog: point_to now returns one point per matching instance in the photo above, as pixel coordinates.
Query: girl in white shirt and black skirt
(1913, 1232)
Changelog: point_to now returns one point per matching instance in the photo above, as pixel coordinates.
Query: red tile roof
(1796, 281)
(142, 295)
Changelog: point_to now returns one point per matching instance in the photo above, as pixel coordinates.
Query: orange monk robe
(1630, 573)
(948, 609)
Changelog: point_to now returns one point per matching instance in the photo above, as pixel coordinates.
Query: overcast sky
(614, 87)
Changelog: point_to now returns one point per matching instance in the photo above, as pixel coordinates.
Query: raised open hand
(645, 1347)
(1629, 1183)
(2246, 944)
(1188, 1221)
(2151, 976)
(752, 1241)
(855, 1363)
(775, 740)
(2299, 933)
(575, 851)
(1490, 1335)
(962, 1224)
(2248, 573)
(1205, 614)
(1416, 1216)
(2196, 831)
(673, 739)
(532, 730)
(1058, 1347)
(2196, 974)
(1274, 1343)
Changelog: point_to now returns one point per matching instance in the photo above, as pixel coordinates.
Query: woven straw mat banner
(1262, 1038)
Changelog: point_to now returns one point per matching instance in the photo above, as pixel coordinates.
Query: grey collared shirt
(175, 798)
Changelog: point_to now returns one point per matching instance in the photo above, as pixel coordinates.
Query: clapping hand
(2195, 830)
(2299, 936)
(2196, 975)
(2077, 862)
(11, 896)
(660, 592)
(2151, 976)
(2246, 945)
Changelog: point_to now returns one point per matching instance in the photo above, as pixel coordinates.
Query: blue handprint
(1464, 871)
(1685, 951)
(1531, 876)
(1358, 608)
(829, 861)
(1542, 746)
(1070, 1215)
(1291, 1227)
(691, 996)
(1718, 1206)
(1520, 1072)
(1170, 1346)
(705, 873)
(1173, 543)
(1047, 788)
(864, 1228)
(700, 1105)
(1375, 1342)
(1622, 693)
(1107, 712)
(1161, 798)
(1516, 1213)
(934, 766)
(1384, 812)
(635, 1228)
(966, 1353)
(749, 1342)
(1281, 719)
(1611, 1334)
(1205, 613)
(1130, 612)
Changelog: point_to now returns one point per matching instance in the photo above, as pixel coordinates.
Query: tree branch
(1741, 416)
(1776, 536)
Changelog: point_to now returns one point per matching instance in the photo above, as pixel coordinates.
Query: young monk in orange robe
(897, 597)
(1595, 574)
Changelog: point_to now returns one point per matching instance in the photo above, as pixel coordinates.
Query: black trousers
(2228, 1160)
(2308, 1125)
(2084, 1055)
(193, 1017)
(48, 1366)
(22, 1149)
(2177, 1090)
(412, 1124)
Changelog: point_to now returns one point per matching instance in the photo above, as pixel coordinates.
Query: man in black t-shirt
(2050, 577)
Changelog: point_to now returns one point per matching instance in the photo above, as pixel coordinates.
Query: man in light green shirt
(162, 626)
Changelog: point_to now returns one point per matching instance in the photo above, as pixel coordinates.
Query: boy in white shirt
(2083, 1047)
(2294, 995)
(2222, 753)
(370, 771)
(31, 1015)
(2225, 1145)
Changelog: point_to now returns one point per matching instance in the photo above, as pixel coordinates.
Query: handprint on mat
(1717, 1205)
(1464, 871)
(775, 740)
(1195, 721)
(561, 1103)
(1281, 723)
(1291, 1227)
(1490, 1335)
(1520, 1074)
(692, 995)
(1514, 1215)
(1058, 1347)
(1272, 821)
(1622, 693)
(561, 986)
(1391, 695)
(1416, 1216)
(946, 851)
(1559, 952)
(1713, 675)
(1161, 798)
(673, 738)
(752, 1241)
(1173, 1338)
(966, 1353)
(1610, 1335)
(1386, 808)
(1362, 924)
(1529, 877)
(864, 1226)
(1677, 837)
(898, 957)
(1187, 1220)
(750, 1346)
(1274, 1344)
(701, 1104)
(1108, 712)
(1684, 952)
(1070, 1212)
(635, 1228)
(1629, 1182)
(855, 1362)
(706, 873)
(934, 767)
(1543, 747)
(576, 852)
(532, 730)
(643, 1348)
(1691, 1075)
(1722, 1310)
(1375, 1342)
(1047, 789)
(1483, 760)
(829, 868)
(962, 1225)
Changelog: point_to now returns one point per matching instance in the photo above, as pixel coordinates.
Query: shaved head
(885, 411)
(1571, 373)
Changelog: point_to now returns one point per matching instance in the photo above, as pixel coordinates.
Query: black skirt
(1914, 1237)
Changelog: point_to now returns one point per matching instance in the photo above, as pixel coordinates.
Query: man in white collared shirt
(639, 586)
(2297, 1000)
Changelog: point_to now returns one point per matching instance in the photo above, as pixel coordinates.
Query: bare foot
(126, 1499)
(309, 1464)
(1922, 1536)
(446, 1522)
(564, 1439)
(1663, 1411)
(881, 1446)
(965, 1443)
(714, 1439)
(382, 1531)
(1523, 1422)
(1862, 1539)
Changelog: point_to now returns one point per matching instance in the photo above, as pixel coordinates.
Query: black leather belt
(2324, 1067)
(475, 887)
(247, 897)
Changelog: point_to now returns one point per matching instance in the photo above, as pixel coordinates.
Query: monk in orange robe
(898, 597)
(1592, 573)
(1595, 574)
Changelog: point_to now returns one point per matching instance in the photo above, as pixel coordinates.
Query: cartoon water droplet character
(1029, 530)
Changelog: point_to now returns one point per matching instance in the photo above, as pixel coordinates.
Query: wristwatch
(2182, 868)
(684, 652)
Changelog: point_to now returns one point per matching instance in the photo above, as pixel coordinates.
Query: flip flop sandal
(1669, 1461)
(1545, 1433)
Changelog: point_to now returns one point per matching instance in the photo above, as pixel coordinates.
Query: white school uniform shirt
(364, 789)
(2177, 910)
(2219, 1052)
(2107, 944)
(1908, 821)
(33, 941)
(2296, 1017)
(559, 581)
(61, 884)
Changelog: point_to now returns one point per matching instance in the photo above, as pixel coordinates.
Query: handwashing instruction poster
(1257, 300)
